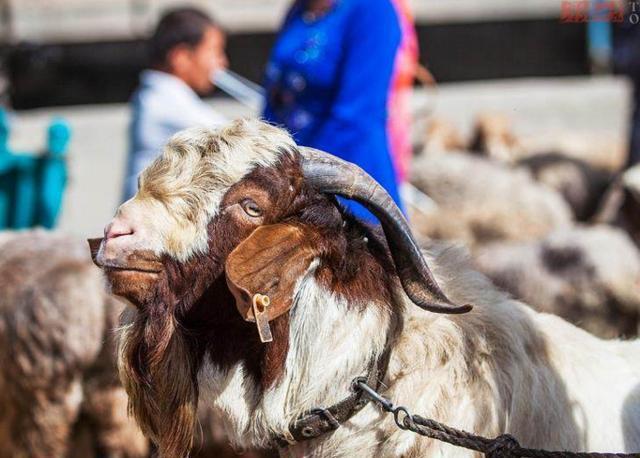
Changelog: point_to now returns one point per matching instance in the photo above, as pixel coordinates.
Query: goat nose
(117, 228)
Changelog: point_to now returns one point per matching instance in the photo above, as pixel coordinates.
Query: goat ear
(94, 246)
(270, 262)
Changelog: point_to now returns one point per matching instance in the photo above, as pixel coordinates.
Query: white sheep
(479, 200)
(588, 275)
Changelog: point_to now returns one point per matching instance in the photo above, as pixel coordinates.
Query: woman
(330, 77)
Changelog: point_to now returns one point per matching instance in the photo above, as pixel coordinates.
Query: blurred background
(80, 59)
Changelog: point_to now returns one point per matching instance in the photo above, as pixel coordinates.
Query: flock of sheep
(559, 232)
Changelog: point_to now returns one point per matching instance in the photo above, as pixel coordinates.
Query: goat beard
(157, 367)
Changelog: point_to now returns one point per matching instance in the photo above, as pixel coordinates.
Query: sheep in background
(599, 151)
(580, 180)
(587, 275)
(59, 391)
(493, 137)
(479, 201)
(442, 136)
(621, 204)
(581, 185)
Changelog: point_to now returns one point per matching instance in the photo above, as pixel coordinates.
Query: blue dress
(328, 81)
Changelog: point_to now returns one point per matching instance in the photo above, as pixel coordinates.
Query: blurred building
(59, 52)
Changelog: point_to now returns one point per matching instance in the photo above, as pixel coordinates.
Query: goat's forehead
(201, 160)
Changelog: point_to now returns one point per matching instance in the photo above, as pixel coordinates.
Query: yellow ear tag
(260, 305)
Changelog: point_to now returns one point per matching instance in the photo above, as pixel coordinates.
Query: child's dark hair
(183, 26)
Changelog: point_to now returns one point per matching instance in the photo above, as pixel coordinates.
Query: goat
(59, 390)
(222, 218)
(479, 200)
(588, 275)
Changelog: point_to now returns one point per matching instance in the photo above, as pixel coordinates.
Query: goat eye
(251, 208)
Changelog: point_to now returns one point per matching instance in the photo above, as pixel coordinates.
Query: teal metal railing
(32, 185)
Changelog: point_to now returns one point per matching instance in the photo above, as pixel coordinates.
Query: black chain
(503, 446)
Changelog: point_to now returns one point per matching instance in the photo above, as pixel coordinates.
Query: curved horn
(331, 175)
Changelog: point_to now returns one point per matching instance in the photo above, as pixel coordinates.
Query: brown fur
(162, 395)
(269, 262)
(629, 218)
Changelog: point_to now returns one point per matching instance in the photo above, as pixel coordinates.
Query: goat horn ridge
(332, 175)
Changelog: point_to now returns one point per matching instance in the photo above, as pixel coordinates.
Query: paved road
(589, 107)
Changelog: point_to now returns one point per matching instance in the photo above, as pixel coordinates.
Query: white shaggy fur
(501, 368)
(478, 200)
(588, 275)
